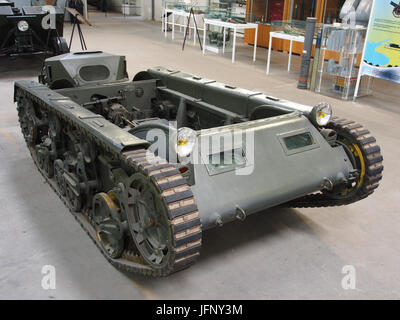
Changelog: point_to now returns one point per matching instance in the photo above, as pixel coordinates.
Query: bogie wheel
(366, 158)
(45, 162)
(27, 119)
(59, 175)
(73, 197)
(40, 157)
(149, 223)
(108, 228)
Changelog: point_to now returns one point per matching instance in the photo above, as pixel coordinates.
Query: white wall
(116, 5)
(158, 7)
(146, 8)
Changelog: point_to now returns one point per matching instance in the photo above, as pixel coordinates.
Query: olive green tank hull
(145, 212)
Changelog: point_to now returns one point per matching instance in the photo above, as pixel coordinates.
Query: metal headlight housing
(185, 141)
(23, 25)
(321, 114)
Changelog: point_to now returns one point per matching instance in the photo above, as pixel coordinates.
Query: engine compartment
(129, 104)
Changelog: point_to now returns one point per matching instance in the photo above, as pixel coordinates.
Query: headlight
(321, 114)
(23, 26)
(185, 141)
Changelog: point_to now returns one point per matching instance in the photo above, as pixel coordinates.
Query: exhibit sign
(381, 57)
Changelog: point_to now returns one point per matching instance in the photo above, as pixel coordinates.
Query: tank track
(176, 195)
(373, 168)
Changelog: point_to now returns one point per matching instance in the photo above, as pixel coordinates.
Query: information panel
(382, 47)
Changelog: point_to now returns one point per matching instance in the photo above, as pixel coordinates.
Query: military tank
(95, 136)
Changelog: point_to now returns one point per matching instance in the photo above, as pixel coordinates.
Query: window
(94, 73)
(298, 141)
(226, 161)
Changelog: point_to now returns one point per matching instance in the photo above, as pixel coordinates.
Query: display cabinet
(223, 23)
(176, 5)
(338, 78)
(184, 6)
(234, 8)
(215, 34)
(226, 15)
(227, 12)
(269, 10)
(293, 27)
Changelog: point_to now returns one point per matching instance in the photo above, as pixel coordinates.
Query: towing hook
(326, 185)
(240, 213)
(218, 221)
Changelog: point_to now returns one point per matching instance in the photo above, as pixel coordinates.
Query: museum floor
(280, 253)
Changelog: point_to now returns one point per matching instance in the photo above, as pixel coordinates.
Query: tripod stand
(191, 13)
(81, 38)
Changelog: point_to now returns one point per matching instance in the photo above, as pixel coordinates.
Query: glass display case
(182, 5)
(293, 27)
(233, 8)
(337, 76)
(185, 6)
(175, 16)
(215, 34)
(225, 15)
(226, 11)
(215, 39)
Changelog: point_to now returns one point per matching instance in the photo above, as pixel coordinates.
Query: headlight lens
(185, 141)
(23, 26)
(321, 114)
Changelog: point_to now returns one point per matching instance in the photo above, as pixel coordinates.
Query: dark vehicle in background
(22, 32)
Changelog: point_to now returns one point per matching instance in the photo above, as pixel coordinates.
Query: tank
(30, 30)
(145, 165)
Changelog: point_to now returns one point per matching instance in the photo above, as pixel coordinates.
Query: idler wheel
(365, 156)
